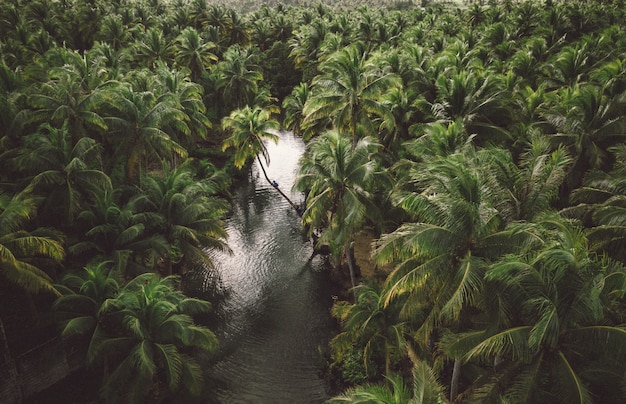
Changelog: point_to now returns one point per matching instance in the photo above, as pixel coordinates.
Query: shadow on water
(273, 296)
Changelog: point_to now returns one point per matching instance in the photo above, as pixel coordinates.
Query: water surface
(275, 317)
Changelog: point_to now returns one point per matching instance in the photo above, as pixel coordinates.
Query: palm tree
(119, 227)
(74, 93)
(349, 89)
(19, 247)
(191, 216)
(238, 77)
(66, 174)
(188, 96)
(193, 52)
(293, 107)
(369, 323)
(152, 48)
(250, 129)
(425, 389)
(443, 253)
(588, 123)
(78, 309)
(340, 181)
(136, 129)
(600, 203)
(147, 351)
(560, 301)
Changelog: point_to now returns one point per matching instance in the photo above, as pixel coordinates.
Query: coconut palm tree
(560, 301)
(74, 93)
(349, 90)
(192, 52)
(119, 227)
(136, 129)
(190, 216)
(368, 322)
(238, 77)
(340, 181)
(19, 247)
(83, 294)
(425, 389)
(66, 174)
(147, 351)
(588, 123)
(153, 47)
(251, 128)
(442, 254)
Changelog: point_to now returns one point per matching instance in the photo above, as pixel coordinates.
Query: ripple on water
(276, 313)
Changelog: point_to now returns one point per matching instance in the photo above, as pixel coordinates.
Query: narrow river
(275, 317)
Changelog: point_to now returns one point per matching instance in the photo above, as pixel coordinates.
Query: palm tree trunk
(293, 205)
(348, 252)
(456, 377)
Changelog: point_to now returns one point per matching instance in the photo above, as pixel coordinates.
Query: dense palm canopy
(492, 123)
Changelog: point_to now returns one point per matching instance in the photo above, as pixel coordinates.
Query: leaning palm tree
(251, 127)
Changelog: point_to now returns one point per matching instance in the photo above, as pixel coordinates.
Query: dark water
(275, 318)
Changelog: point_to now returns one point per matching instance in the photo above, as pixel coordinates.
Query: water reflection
(275, 317)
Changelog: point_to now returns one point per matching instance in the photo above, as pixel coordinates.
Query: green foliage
(101, 103)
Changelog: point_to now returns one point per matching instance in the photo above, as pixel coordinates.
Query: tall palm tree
(251, 128)
(293, 107)
(588, 123)
(340, 181)
(349, 90)
(119, 227)
(370, 323)
(74, 93)
(66, 174)
(83, 294)
(238, 77)
(425, 389)
(153, 47)
(188, 96)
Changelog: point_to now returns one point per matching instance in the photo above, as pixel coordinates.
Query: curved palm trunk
(293, 205)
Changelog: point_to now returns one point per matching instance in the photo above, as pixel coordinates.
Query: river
(274, 319)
